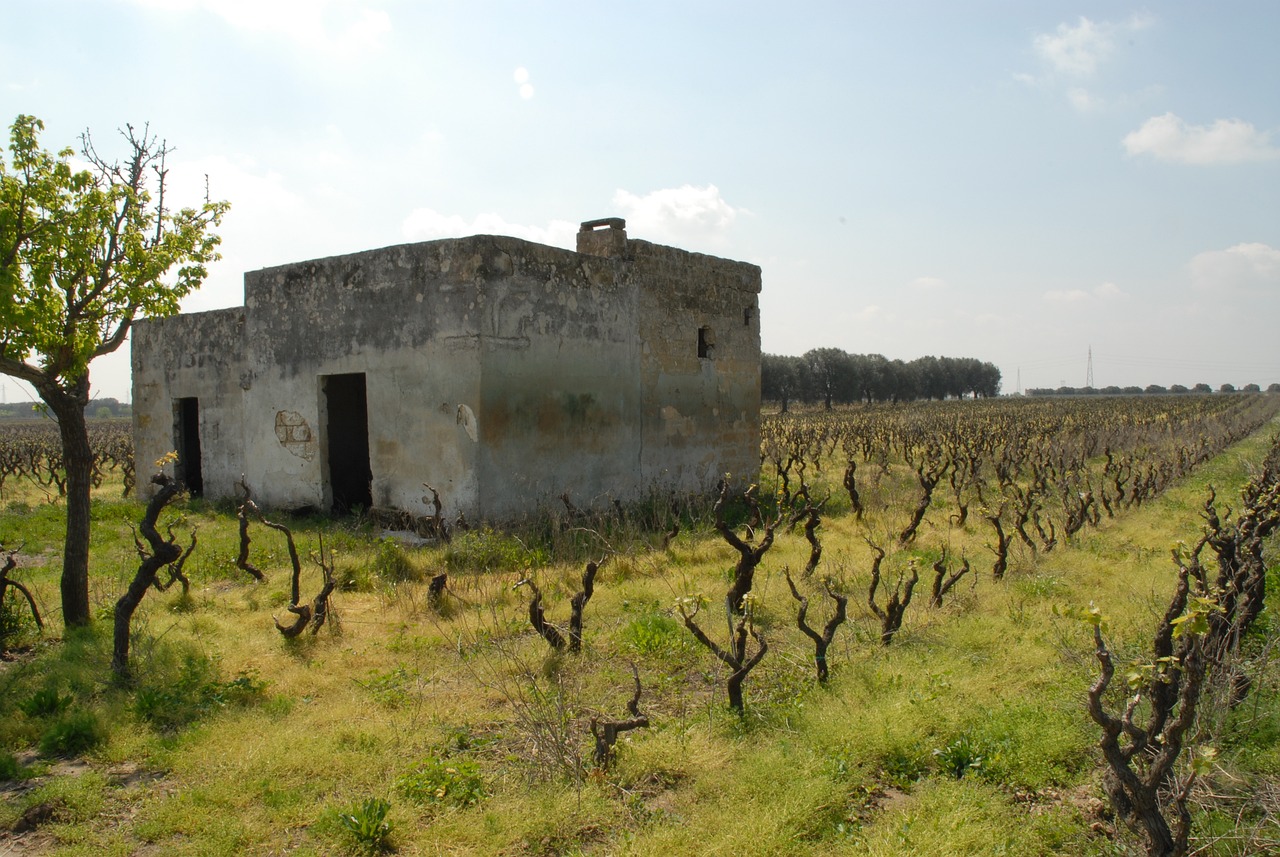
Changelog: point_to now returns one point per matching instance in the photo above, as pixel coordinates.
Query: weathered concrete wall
(198, 355)
(502, 372)
(560, 391)
(701, 415)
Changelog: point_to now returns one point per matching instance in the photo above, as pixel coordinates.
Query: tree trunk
(734, 686)
(68, 406)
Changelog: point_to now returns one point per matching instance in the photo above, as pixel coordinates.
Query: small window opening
(747, 315)
(706, 343)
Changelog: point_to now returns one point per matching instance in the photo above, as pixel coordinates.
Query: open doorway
(347, 433)
(186, 438)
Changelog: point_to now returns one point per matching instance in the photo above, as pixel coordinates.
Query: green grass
(967, 735)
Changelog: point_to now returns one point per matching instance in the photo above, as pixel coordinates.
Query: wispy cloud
(929, 283)
(1226, 141)
(683, 215)
(343, 29)
(1077, 52)
(1244, 268)
(1101, 292)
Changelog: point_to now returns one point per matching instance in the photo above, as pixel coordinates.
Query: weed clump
(392, 564)
(365, 825)
(443, 782)
(487, 550)
(172, 699)
(45, 702)
(72, 734)
(653, 634)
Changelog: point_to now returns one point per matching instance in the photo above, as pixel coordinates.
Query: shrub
(45, 702)
(16, 623)
(10, 767)
(73, 733)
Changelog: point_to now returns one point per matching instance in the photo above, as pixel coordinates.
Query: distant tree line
(1151, 389)
(832, 376)
(104, 408)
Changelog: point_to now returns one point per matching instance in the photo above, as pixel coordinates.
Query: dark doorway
(186, 421)
(347, 425)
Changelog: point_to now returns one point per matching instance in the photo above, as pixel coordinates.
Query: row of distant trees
(1152, 389)
(104, 408)
(832, 376)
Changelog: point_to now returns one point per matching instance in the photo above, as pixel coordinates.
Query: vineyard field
(604, 680)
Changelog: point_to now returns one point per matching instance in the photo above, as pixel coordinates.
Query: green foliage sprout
(367, 824)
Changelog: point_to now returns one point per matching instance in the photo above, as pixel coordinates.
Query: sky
(1041, 185)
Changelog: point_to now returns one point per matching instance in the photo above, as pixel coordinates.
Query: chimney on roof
(605, 237)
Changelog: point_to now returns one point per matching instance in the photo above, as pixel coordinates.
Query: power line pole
(1088, 376)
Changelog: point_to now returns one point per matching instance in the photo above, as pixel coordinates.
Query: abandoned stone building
(502, 372)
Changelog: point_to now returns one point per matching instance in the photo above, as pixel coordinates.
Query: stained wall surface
(502, 372)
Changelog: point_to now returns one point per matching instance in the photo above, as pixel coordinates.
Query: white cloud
(1067, 296)
(1079, 50)
(1102, 292)
(1249, 268)
(425, 224)
(686, 215)
(341, 28)
(1226, 141)
(1076, 50)
(1083, 100)
(523, 86)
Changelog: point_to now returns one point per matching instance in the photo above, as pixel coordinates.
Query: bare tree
(549, 632)
(10, 563)
(821, 642)
(317, 611)
(942, 582)
(163, 552)
(538, 617)
(748, 557)
(735, 657)
(890, 615)
(606, 731)
(1141, 756)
